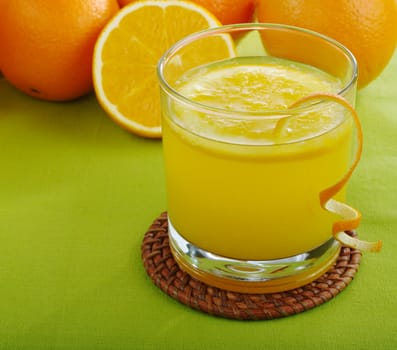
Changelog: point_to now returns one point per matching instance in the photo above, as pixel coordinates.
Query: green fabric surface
(77, 194)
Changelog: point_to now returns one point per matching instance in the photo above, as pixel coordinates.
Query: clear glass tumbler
(246, 162)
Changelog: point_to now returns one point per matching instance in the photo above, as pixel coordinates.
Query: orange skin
(47, 46)
(227, 11)
(367, 27)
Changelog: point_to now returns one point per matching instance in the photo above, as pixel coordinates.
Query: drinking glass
(244, 181)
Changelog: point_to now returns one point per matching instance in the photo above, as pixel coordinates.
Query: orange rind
(350, 217)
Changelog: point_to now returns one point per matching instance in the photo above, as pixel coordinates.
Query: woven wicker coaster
(166, 274)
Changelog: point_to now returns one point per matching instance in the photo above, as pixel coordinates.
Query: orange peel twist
(350, 217)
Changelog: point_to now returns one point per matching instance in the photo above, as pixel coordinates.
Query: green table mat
(77, 194)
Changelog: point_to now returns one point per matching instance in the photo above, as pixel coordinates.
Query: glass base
(252, 276)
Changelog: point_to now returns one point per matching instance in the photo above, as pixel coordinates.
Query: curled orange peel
(350, 217)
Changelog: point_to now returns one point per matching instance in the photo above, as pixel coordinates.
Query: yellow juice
(240, 187)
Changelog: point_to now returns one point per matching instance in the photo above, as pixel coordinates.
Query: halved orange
(127, 52)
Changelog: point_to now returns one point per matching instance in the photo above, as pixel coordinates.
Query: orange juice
(239, 184)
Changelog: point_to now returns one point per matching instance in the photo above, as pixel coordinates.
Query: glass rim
(225, 29)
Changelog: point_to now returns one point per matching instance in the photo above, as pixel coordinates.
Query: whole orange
(47, 46)
(122, 3)
(367, 27)
(227, 11)
(230, 11)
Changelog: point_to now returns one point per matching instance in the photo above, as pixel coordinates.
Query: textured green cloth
(77, 193)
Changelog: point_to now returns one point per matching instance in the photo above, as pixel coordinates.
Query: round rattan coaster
(166, 274)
